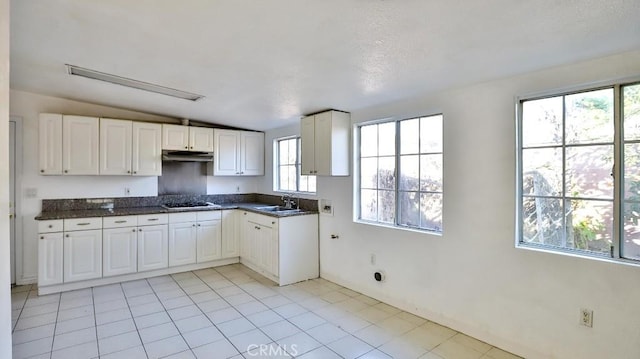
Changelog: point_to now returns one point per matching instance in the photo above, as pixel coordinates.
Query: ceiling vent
(123, 81)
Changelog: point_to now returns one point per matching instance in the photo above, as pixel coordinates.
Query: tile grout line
(53, 337)
(95, 321)
(126, 300)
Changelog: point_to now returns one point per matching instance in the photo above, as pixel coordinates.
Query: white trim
(19, 240)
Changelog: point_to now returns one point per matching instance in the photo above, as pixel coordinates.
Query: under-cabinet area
(77, 253)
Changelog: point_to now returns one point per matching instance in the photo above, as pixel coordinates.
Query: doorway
(15, 173)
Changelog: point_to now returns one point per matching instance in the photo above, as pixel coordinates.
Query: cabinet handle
(66, 171)
(191, 147)
(121, 221)
(133, 230)
(193, 225)
(152, 219)
(67, 236)
(41, 171)
(140, 230)
(128, 171)
(274, 222)
(84, 224)
(198, 224)
(51, 226)
(134, 172)
(186, 147)
(41, 237)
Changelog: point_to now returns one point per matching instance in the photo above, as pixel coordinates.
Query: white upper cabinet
(80, 145)
(201, 139)
(325, 143)
(147, 149)
(238, 153)
(115, 147)
(187, 138)
(50, 129)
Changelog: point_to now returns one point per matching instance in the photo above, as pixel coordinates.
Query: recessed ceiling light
(123, 81)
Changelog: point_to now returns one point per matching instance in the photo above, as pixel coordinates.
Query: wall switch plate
(325, 207)
(586, 317)
(31, 192)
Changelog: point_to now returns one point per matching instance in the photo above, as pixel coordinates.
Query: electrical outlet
(127, 191)
(373, 259)
(586, 317)
(237, 188)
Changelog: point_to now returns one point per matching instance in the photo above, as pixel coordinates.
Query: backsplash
(133, 202)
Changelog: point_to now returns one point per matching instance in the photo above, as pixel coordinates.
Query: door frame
(19, 240)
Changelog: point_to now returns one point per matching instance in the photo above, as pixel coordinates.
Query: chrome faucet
(288, 201)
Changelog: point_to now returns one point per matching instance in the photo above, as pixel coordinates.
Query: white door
(153, 247)
(50, 266)
(252, 153)
(147, 149)
(50, 143)
(322, 156)
(227, 153)
(82, 255)
(175, 137)
(307, 144)
(119, 251)
(201, 139)
(182, 244)
(208, 241)
(230, 234)
(115, 147)
(80, 145)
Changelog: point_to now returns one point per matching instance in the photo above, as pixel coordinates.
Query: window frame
(397, 159)
(615, 253)
(298, 166)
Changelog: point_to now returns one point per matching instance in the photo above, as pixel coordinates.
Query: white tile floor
(227, 312)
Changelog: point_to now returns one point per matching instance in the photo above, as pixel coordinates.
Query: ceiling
(263, 64)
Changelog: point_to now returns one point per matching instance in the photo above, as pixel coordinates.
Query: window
(567, 179)
(288, 168)
(411, 148)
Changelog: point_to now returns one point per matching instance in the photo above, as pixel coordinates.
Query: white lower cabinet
(82, 253)
(153, 249)
(230, 246)
(119, 251)
(50, 258)
(182, 243)
(208, 241)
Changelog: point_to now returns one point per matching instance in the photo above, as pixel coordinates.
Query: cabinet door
(115, 147)
(201, 139)
(119, 251)
(226, 153)
(153, 247)
(230, 234)
(80, 145)
(82, 255)
(50, 129)
(147, 149)
(208, 241)
(182, 244)
(49, 258)
(252, 153)
(322, 139)
(175, 137)
(266, 248)
(307, 144)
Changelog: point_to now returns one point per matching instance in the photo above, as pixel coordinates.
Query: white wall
(5, 273)
(472, 278)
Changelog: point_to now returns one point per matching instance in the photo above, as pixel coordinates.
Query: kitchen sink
(280, 209)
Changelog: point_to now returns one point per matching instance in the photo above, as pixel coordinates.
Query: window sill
(575, 254)
(401, 228)
(295, 194)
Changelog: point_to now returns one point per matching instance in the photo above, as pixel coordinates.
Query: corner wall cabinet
(325, 143)
(187, 138)
(238, 153)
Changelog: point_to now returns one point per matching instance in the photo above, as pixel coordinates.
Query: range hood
(187, 156)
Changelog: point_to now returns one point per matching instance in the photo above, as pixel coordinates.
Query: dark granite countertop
(84, 213)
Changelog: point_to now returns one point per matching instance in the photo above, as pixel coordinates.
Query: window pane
(431, 134)
(282, 152)
(293, 151)
(542, 221)
(387, 139)
(409, 207)
(631, 111)
(542, 122)
(589, 225)
(589, 117)
(285, 179)
(369, 140)
(431, 173)
(409, 173)
(410, 135)
(631, 240)
(369, 205)
(431, 211)
(589, 171)
(542, 171)
(369, 172)
(632, 172)
(386, 206)
(387, 173)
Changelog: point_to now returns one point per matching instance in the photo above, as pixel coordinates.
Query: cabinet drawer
(119, 221)
(54, 225)
(209, 215)
(82, 224)
(152, 219)
(182, 217)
